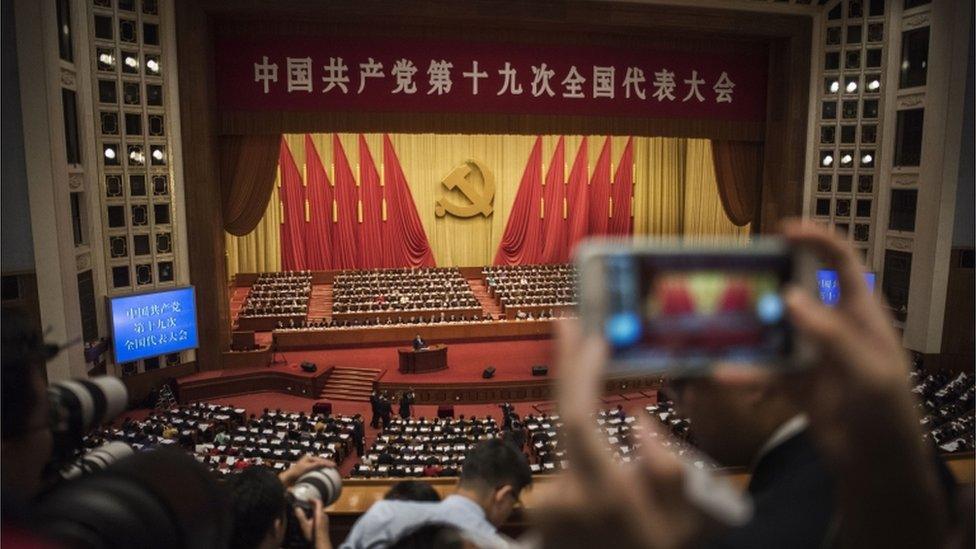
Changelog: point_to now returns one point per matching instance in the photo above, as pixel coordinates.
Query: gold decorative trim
(900, 243)
(76, 181)
(904, 180)
(68, 78)
(83, 261)
(915, 21)
(912, 100)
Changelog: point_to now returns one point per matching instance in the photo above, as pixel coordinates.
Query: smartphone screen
(664, 311)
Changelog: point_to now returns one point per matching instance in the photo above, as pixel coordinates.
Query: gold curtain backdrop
(675, 190)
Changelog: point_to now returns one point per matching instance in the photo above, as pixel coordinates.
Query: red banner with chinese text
(339, 74)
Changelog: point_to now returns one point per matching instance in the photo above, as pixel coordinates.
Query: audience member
(412, 490)
(492, 477)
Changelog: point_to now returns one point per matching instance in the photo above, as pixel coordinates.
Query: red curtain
(370, 232)
(293, 207)
(738, 172)
(247, 178)
(577, 200)
(345, 238)
(554, 195)
(406, 240)
(520, 242)
(318, 236)
(621, 222)
(600, 191)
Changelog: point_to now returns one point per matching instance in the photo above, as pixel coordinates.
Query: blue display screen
(153, 324)
(830, 287)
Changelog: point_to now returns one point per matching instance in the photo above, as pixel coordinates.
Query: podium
(428, 359)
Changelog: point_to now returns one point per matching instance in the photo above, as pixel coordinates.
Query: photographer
(27, 439)
(260, 507)
(57, 489)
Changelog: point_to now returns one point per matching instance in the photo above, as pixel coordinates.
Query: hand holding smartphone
(679, 308)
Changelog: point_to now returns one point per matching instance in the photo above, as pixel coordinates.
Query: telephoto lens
(323, 484)
(78, 405)
(98, 459)
(155, 499)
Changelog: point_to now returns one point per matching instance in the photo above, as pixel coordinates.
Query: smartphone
(680, 308)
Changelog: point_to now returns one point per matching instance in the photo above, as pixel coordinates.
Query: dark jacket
(794, 501)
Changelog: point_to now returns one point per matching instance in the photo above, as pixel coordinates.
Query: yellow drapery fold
(675, 191)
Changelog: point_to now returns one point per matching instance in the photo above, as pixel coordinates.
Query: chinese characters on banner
(154, 325)
(337, 74)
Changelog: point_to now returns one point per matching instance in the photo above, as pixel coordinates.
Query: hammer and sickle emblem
(481, 197)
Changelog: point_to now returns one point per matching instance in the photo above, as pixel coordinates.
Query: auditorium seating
(225, 439)
(283, 294)
(536, 288)
(407, 290)
(622, 434)
(424, 447)
(947, 408)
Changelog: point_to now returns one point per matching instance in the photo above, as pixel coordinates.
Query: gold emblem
(464, 179)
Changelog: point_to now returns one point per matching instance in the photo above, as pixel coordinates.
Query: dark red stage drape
(247, 178)
(554, 196)
(600, 191)
(406, 240)
(370, 231)
(520, 243)
(621, 223)
(577, 200)
(345, 238)
(292, 228)
(318, 236)
(738, 173)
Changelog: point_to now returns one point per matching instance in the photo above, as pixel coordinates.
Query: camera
(158, 498)
(324, 485)
(97, 459)
(78, 405)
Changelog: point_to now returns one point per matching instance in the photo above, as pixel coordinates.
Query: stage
(461, 382)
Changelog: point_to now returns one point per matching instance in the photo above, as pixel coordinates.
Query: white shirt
(790, 428)
(389, 520)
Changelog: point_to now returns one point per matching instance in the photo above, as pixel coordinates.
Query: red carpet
(513, 360)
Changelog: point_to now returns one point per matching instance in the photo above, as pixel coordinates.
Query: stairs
(353, 384)
(320, 302)
(238, 295)
(488, 303)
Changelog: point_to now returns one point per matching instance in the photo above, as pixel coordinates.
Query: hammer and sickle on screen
(479, 196)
